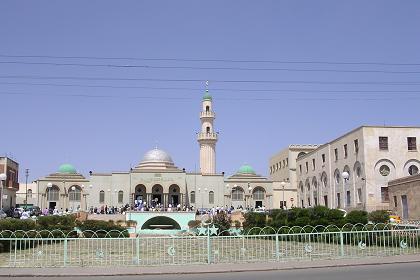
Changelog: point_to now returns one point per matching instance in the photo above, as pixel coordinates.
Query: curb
(294, 267)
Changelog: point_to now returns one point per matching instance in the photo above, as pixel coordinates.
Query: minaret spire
(207, 138)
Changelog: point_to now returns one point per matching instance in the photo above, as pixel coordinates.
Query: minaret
(207, 138)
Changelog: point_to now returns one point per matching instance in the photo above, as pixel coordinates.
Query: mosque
(157, 180)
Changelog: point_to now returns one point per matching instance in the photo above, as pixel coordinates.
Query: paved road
(408, 271)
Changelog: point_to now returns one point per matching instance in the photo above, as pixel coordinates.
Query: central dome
(156, 159)
(246, 169)
(157, 155)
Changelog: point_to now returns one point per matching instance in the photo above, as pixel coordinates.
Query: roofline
(350, 132)
(295, 146)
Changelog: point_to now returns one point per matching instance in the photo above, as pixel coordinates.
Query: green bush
(101, 228)
(15, 224)
(254, 220)
(64, 223)
(356, 217)
(379, 216)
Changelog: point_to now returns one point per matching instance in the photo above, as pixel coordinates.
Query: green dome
(67, 168)
(246, 169)
(207, 96)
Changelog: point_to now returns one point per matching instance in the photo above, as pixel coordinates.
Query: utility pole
(26, 188)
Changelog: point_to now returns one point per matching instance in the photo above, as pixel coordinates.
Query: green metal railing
(54, 249)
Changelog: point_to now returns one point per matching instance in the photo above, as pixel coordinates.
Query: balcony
(207, 114)
(206, 136)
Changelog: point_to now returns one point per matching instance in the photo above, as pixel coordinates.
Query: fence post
(341, 244)
(208, 247)
(137, 250)
(277, 247)
(65, 252)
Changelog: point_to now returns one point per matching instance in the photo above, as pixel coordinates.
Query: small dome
(67, 168)
(207, 96)
(246, 169)
(157, 155)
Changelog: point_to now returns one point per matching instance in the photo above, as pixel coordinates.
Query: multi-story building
(283, 169)
(9, 186)
(352, 171)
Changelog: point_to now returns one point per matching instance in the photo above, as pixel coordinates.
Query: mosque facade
(156, 180)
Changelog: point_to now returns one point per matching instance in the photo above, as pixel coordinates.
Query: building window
(211, 197)
(336, 153)
(313, 163)
(326, 200)
(29, 193)
(309, 201)
(338, 200)
(383, 143)
(324, 181)
(76, 194)
(384, 170)
(359, 195)
(192, 197)
(258, 194)
(358, 172)
(300, 168)
(207, 108)
(345, 151)
(413, 170)
(287, 161)
(395, 201)
(315, 199)
(284, 163)
(208, 130)
(237, 195)
(384, 194)
(101, 197)
(337, 178)
(53, 193)
(412, 143)
(348, 198)
(323, 158)
(277, 166)
(356, 146)
(307, 167)
(120, 197)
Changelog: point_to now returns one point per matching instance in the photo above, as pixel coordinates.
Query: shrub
(194, 223)
(15, 224)
(254, 220)
(64, 223)
(357, 217)
(379, 216)
(223, 221)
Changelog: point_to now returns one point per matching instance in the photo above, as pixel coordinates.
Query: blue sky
(88, 115)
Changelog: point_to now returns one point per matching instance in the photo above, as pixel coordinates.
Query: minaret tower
(207, 138)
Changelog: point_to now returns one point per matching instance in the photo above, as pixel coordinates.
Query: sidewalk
(199, 269)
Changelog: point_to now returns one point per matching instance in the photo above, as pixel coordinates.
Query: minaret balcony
(206, 136)
(207, 114)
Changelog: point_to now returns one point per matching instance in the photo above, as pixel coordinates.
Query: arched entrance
(174, 195)
(53, 196)
(161, 222)
(258, 195)
(157, 195)
(75, 197)
(140, 193)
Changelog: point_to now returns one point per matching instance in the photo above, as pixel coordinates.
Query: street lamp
(3, 178)
(346, 176)
(49, 186)
(73, 190)
(249, 195)
(26, 188)
(283, 183)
